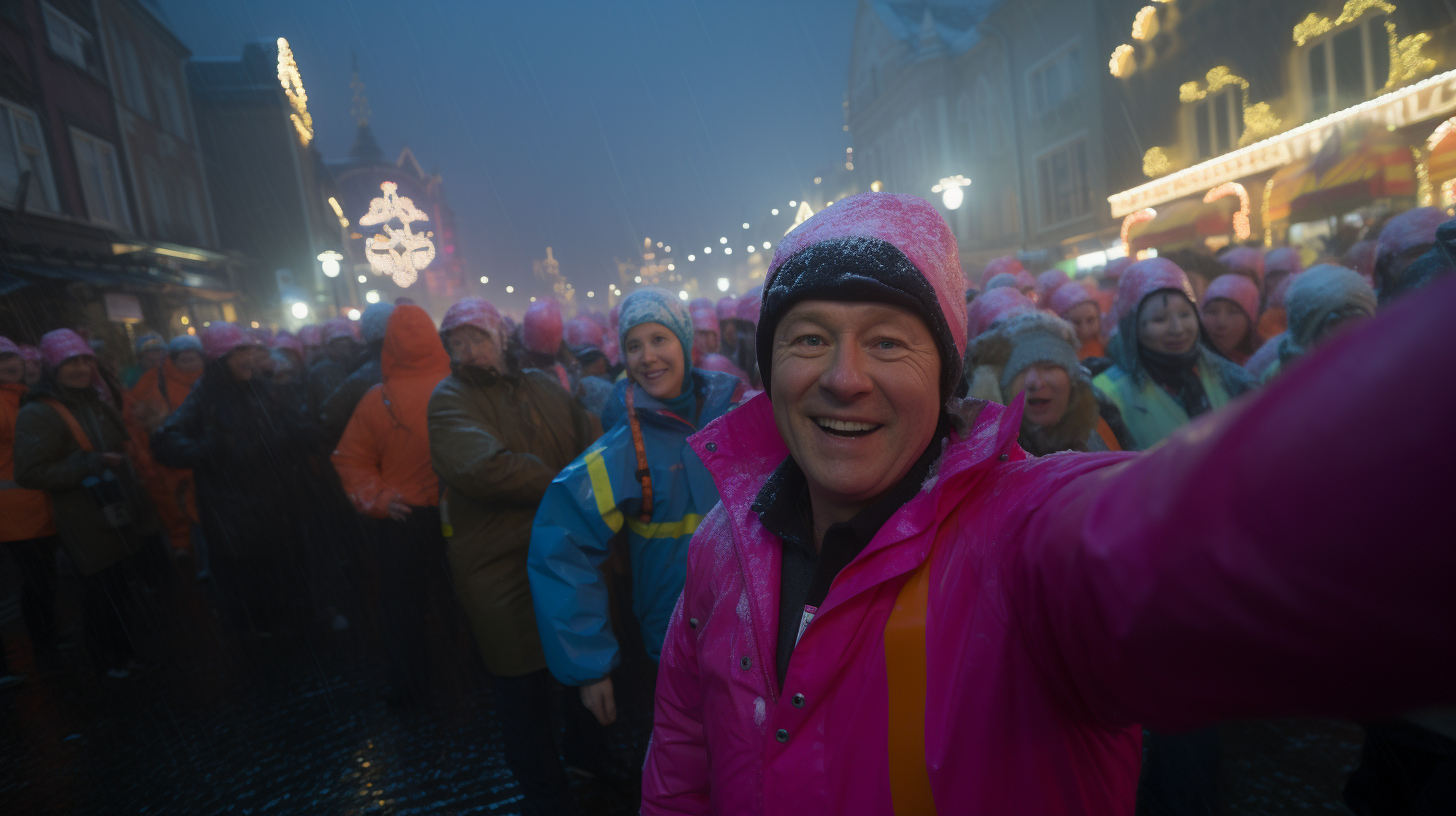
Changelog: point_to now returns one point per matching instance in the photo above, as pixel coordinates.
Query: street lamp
(950, 190)
(300, 309)
(329, 261)
(722, 284)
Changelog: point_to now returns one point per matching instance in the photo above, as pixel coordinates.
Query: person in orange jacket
(27, 528)
(158, 393)
(383, 461)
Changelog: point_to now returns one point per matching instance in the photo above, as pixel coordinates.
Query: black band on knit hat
(868, 270)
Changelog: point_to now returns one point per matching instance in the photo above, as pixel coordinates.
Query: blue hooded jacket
(591, 500)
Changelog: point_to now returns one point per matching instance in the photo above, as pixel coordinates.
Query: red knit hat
(583, 332)
(727, 307)
(541, 329)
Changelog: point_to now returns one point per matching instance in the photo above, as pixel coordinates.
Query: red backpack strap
(644, 474)
(81, 438)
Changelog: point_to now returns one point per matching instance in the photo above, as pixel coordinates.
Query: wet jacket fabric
(338, 408)
(497, 440)
(23, 513)
(1074, 596)
(591, 501)
(48, 457)
(1148, 410)
(248, 448)
(158, 393)
(385, 450)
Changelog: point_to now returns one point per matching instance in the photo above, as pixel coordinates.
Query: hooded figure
(642, 475)
(1439, 260)
(151, 350)
(498, 436)
(706, 336)
(1402, 240)
(1035, 354)
(1323, 300)
(1078, 305)
(895, 609)
(745, 321)
(339, 356)
(992, 307)
(158, 393)
(1163, 374)
(727, 309)
(73, 445)
(383, 461)
(336, 407)
(1280, 264)
(1228, 312)
(1007, 264)
(248, 449)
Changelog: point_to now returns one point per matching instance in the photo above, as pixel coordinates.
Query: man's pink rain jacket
(1288, 556)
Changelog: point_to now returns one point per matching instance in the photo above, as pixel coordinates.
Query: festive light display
(1241, 218)
(950, 190)
(292, 83)
(804, 214)
(398, 252)
(1259, 120)
(1424, 195)
(1440, 133)
(1264, 213)
(1314, 25)
(1145, 24)
(1155, 162)
(1448, 197)
(1135, 218)
(1121, 64)
(339, 212)
(1406, 60)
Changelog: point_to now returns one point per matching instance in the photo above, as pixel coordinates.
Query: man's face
(705, 342)
(470, 346)
(856, 395)
(77, 372)
(1086, 318)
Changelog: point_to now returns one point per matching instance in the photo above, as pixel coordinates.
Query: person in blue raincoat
(640, 474)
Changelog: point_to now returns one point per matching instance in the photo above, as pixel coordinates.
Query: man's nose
(847, 375)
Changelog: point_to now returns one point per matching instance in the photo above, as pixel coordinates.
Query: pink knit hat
(1069, 296)
(717, 362)
(727, 307)
(541, 329)
(1048, 282)
(752, 301)
(477, 312)
(994, 306)
(30, 353)
(1244, 261)
(1283, 259)
(1236, 288)
(1410, 230)
(1003, 280)
(910, 224)
(1005, 263)
(1115, 267)
(340, 327)
(1146, 277)
(311, 335)
(583, 332)
(286, 340)
(8, 347)
(60, 345)
(700, 303)
(221, 339)
(1361, 258)
(705, 320)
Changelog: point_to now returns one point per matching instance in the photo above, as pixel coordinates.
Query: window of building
(23, 151)
(69, 39)
(100, 180)
(1349, 66)
(1062, 181)
(169, 102)
(1218, 121)
(158, 200)
(1054, 80)
(134, 88)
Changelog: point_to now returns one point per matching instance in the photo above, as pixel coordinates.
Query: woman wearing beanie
(383, 461)
(498, 436)
(1322, 302)
(27, 529)
(1229, 310)
(1163, 375)
(158, 393)
(642, 475)
(895, 609)
(1076, 304)
(248, 449)
(1035, 354)
(151, 350)
(72, 444)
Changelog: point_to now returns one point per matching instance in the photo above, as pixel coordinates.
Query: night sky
(585, 126)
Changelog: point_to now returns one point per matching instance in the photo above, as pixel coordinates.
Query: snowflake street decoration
(400, 253)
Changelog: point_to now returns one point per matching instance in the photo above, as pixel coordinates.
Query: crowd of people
(837, 512)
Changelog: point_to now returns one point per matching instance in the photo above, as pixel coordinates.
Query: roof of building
(952, 22)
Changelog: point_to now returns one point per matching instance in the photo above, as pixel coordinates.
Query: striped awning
(1347, 172)
(1441, 163)
(1184, 224)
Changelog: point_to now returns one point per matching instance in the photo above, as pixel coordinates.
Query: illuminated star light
(400, 253)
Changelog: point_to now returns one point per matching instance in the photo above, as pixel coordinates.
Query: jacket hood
(1322, 292)
(1068, 296)
(1146, 277)
(412, 346)
(1245, 261)
(1236, 288)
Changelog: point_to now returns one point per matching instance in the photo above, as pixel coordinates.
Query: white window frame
(46, 181)
(67, 38)
(1373, 84)
(1063, 145)
(1072, 77)
(113, 191)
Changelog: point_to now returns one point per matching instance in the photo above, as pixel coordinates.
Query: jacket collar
(715, 387)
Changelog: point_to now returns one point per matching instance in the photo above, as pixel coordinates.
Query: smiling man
(896, 609)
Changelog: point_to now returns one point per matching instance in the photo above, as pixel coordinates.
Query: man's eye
(812, 340)
(887, 345)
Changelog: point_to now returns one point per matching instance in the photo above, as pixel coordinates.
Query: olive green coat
(497, 441)
(48, 457)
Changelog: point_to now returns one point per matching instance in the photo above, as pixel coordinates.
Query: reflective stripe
(664, 529)
(602, 489)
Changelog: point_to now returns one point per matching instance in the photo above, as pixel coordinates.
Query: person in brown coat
(497, 438)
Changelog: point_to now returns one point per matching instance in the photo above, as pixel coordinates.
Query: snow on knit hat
(374, 321)
(149, 342)
(336, 328)
(1244, 261)
(653, 305)
(1236, 288)
(1037, 337)
(727, 307)
(7, 346)
(1146, 277)
(541, 329)
(583, 332)
(1070, 295)
(184, 342)
(60, 345)
(477, 312)
(221, 339)
(750, 305)
(993, 307)
(1048, 282)
(1323, 292)
(1006, 263)
(879, 248)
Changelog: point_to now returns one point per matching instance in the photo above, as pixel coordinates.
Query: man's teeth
(839, 425)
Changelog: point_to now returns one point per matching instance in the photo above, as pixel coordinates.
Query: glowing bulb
(363, 279)
(192, 330)
(692, 257)
(722, 240)
(752, 248)
(727, 250)
(745, 225)
(372, 296)
(300, 310)
(707, 250)
(672, 267)
(591, 294)
(952, 197)
(774, 211)
(484, 279)
(659, 245)
(667, 249)
(722, 284)
(637, 279)
(329, 262)
(767, 245)
(817, 179)
(353, 314)
(510, 289)
(255, 324)
(185, 320)
(793, 203)
(533, 298)
(682, 294)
